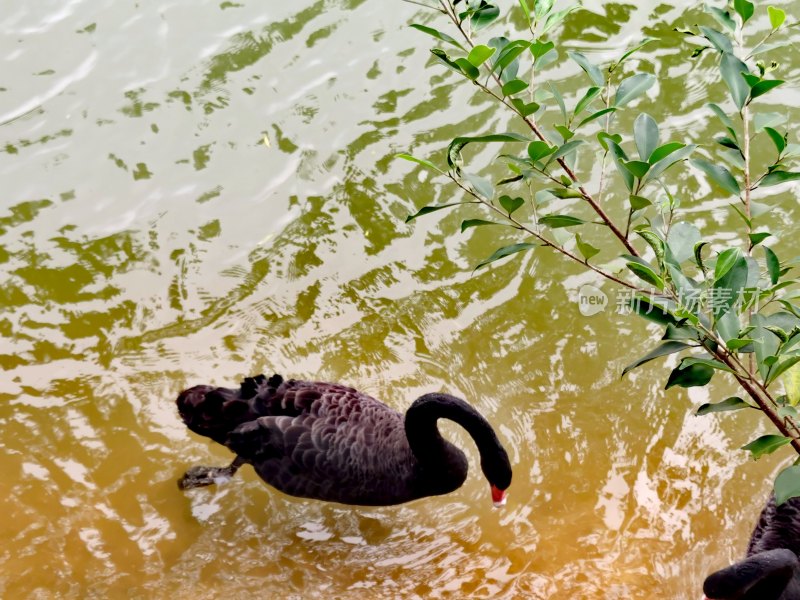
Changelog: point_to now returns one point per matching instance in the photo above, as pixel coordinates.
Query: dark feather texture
(331, 442)
(771, 570)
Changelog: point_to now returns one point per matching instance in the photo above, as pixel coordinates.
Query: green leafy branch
(728, 310)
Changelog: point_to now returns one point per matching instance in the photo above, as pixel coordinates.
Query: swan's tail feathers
(259, 386)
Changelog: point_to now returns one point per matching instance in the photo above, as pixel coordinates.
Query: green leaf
(538, 150)
(727, 288)
(467, 68)
(429, 209)
(539, 49)
(670, 158)
(512, 179)
(779, 368)
(644, 271)
(638, 202)
(773, 265)
(680, 334)
(757, 238)
(505, 251)
(481, 185)
(454, 159)
(762, 87)
(645, 134)
(515, 86)
(663, 350)
(526, 11)
(714, 364)
(751, 79)
(744, 8)
(510, 204)
(476, 223)
(557, 221)
(719, 175)
(559, 100)
(681, 241)
(723, 17)
(438, 35)
(791, 383)
(777, 139)
(636, 48)
(778, 332)
(732, 403)
(745, 218)
(776, 16)
(737, 344)
(565, 132)
(732, 69)
(590, 95)
(597, 115)
(652, 311)
(565, 149)
(505, 61)
(728, 325)
(586, 249)
(637, 168)
(726, 120)
(555, 18)
(605, 138)
(619, 159)
(591, 70)
(443, 58)
(565, 193)
(484, 16)
(777, 177)
(421, 161)
(633, 87)
(524, 109)
(543, 7)
(766, 444)
(698, 255)
(718, 39)
(691, 376)
(728, 143)
(480, 54)
(725, 262)
(787, 483)
(768, 119)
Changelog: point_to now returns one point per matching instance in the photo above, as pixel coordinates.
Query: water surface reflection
(151, 239)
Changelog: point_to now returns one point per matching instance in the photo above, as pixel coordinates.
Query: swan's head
(212, 412)
(499, 497)
(497, 469)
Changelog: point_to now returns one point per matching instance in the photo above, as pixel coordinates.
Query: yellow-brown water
(152, 240)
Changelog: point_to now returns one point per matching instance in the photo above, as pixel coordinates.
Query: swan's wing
(343, 446)
(768, 575)
(778, 527)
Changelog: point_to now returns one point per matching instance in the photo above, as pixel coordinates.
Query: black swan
(771, 570)
(331, 442)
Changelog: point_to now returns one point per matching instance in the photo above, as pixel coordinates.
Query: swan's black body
(771, 570)
(331, 442)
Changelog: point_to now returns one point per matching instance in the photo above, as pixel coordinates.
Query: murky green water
(151, 240)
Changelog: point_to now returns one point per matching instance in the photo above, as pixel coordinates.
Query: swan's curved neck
(423, 433)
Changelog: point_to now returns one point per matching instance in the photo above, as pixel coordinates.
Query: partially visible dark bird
(331, 442)
(771, 570)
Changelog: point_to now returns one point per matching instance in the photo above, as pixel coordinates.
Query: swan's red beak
(499, 497)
